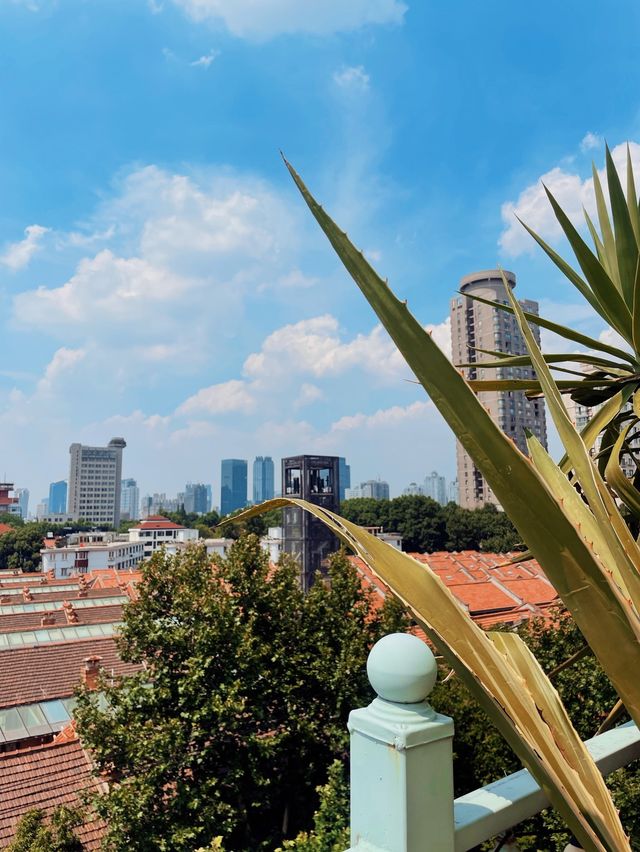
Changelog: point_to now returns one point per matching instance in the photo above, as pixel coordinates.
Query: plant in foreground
(568, 514)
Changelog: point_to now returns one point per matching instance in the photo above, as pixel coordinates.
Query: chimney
(43, 580)
(5, 599)
(90, 671)
(26, 594)
(70, 613)
(47, 619)
(82, 593)
(51, 574)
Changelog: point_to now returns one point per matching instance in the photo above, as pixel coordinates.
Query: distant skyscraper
(129, 500)
(413, 490)
(95, 478)
(435, 486)
(209, 498)
(233, 485)
(315, 479)
(58, 498)
(474, 327)
(453, 492)
(195, 498)
(42, 508)
(263, 479)
(345, 477)
(376, 488)
(23, 500)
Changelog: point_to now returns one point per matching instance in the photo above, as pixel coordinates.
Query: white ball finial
(401, 668)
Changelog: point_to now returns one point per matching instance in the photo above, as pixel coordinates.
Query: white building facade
(92, 556)
(95, 479)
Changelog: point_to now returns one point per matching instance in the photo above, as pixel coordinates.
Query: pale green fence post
(401, 756)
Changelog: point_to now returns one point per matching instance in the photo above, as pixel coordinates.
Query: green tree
(243, 702)
(35, 833)
(11, 519)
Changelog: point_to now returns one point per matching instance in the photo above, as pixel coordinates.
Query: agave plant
(569, 514)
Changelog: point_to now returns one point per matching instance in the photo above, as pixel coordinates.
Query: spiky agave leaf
(583, 581)
(508, 684)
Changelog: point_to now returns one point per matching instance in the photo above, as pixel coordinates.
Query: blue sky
(159, 277)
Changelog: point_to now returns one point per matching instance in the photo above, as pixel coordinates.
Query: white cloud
(104, 289)
(154, 7)
(223, 398)
(352, 77)
(590, 141)
(572, 193)
(205, 60)
(269, 18)
(384, 417)
(17, 255)
(63, 361)
(308, 394)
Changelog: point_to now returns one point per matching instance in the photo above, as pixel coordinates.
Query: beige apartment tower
(476, 326)
(95, 478)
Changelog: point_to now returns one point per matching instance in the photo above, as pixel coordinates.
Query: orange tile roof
(5, 528)
(490, 590)
(43, 672)
(45, 777)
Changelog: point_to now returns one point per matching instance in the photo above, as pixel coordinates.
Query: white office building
(95, 479)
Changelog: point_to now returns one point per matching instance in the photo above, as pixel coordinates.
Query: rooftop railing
(402, 765)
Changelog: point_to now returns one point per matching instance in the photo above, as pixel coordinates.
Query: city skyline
(253, 338)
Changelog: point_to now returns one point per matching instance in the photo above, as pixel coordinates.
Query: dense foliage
(481, 754)
(20, 547)
(243, 702)
(38, 833)
(427, 526)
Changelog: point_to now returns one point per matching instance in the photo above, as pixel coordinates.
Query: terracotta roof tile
(45, 777)
(86, 615)
(44, 672)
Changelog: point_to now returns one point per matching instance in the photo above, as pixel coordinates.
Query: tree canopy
(243, 702)
(426, 526)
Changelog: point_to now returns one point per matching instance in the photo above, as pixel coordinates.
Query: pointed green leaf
(561, 330)
(617, 480)
(595, 236)
(626, 245)
(613, 306)
(607, 620)
(632, 198)
(609, 257)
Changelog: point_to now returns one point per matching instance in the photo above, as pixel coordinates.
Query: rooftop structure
(317, 480)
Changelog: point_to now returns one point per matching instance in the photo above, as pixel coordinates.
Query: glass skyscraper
(233, 485)
(345, 476)
(58, 497)
(263, 479)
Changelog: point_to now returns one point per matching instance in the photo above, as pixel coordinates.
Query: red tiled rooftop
(44, 672)
(5, 528)
(483, 597)
(86, 615)
(158, 522)
(45, 777)
(534, 590)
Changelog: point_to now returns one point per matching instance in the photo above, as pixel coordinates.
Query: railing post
(401, 756)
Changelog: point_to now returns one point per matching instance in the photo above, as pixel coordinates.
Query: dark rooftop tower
(317, 480)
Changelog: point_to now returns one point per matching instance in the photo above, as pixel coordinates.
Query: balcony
(402, 765)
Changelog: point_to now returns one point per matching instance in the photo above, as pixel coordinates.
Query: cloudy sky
(159, 276)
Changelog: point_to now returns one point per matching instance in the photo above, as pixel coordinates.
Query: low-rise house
(85, 557)
(157, 531)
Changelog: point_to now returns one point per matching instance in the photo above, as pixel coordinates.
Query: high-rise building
(23, 499)
(263, 479)
(435, 486)
(233, 485)
(453, 492)
(195, 498)
(129, 500)
(9, 505)
(413, 490)
(376, 489)
(42, 508)
(95, 479)
(345, 477)
(209, 498)
(317, 480)
(476, 326)
(58, 497)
